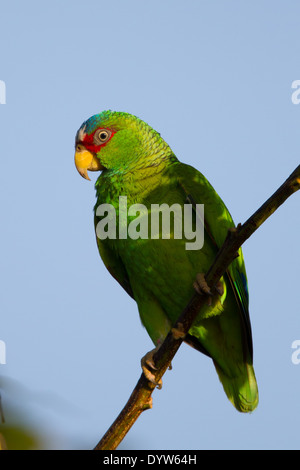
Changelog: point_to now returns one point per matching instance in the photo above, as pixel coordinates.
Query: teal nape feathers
(136, 163)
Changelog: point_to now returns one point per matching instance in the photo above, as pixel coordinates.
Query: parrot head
(117, 141)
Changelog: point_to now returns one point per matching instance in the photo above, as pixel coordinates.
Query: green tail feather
(242, 390)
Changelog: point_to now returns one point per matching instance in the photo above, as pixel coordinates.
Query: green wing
(232, 329)
(217, 222)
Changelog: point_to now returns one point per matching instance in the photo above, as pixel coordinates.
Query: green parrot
(159, 272)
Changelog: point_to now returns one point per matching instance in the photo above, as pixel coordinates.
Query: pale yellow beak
(85, 160)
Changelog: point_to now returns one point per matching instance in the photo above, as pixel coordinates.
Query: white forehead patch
(81, 134)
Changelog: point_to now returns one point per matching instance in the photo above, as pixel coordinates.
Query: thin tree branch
(141, 397)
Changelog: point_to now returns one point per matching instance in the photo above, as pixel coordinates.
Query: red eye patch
(88, 141)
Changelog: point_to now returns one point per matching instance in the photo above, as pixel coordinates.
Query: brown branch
(141, 398)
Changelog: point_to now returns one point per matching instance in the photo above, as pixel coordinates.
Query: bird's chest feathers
(124, 208)
(142, 189)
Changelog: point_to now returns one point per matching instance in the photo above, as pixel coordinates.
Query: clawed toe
(148, 365)
(178, 332)
(201, 287)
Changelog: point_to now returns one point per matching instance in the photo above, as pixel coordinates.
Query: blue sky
(215, 79)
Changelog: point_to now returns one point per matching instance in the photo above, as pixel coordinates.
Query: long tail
(241, 390)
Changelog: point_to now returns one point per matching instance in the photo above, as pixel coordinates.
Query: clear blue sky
(222, 73)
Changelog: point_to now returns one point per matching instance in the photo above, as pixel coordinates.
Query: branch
(141, 397)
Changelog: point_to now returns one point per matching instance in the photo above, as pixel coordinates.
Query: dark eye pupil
(103, 135)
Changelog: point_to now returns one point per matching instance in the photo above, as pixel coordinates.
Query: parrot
(159, 272)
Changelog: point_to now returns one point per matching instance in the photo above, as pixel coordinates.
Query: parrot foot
(147, 364)
(201, 287)
(178, 332)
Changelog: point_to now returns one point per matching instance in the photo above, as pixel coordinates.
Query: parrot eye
(101, 136)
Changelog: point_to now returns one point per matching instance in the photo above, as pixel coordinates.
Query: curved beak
(85, 160)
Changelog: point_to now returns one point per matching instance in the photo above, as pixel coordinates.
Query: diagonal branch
(141, 397)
